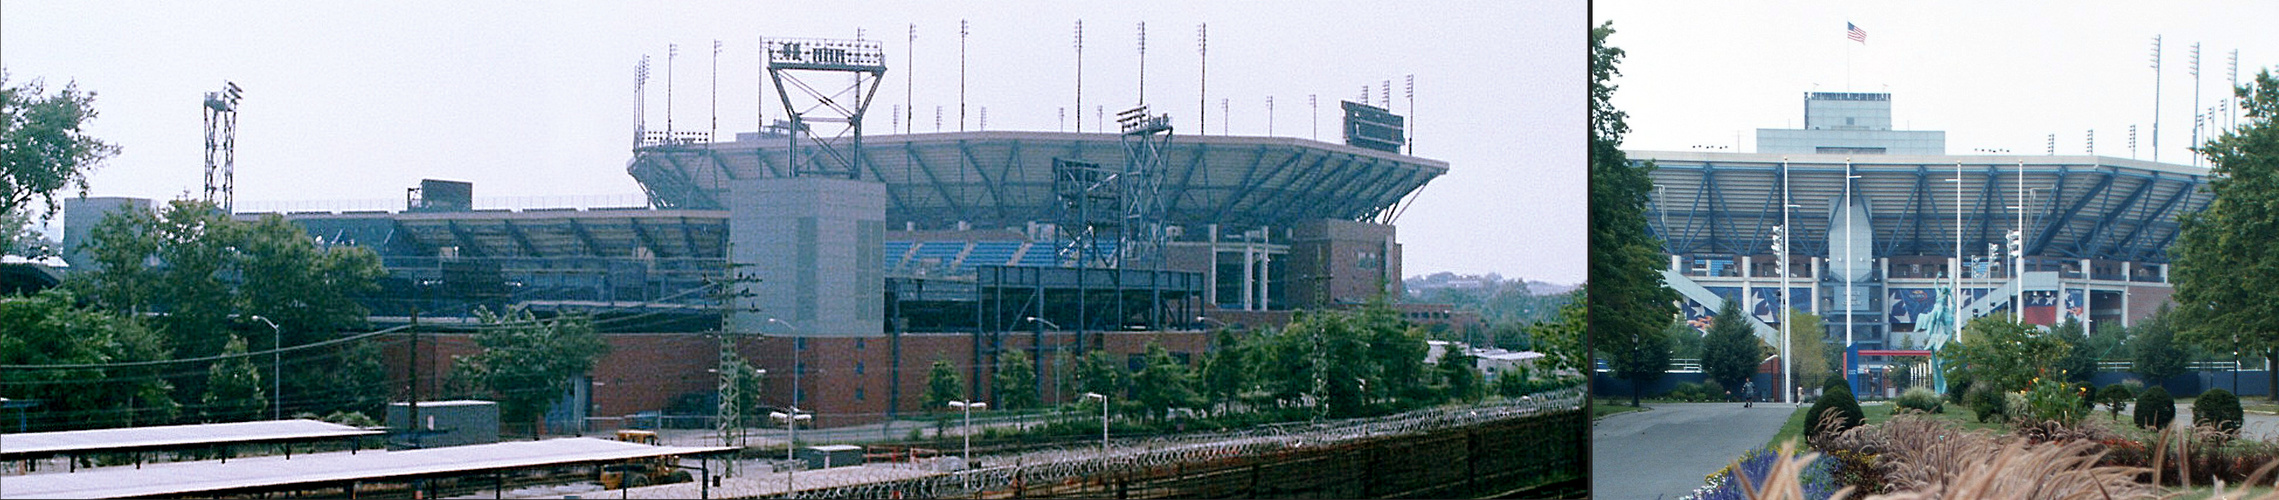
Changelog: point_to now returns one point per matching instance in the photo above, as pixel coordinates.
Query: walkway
(1665, 451)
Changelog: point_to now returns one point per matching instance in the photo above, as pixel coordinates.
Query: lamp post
(1103, 424)
(791, 441)
(1780, 254)
(797, 369)
(1954, 276)
(276, 369)
(968, 407)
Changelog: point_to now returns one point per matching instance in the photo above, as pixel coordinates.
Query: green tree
(44, 148)
(1459, 374)
(1226, 371)
(2154, 354)
(1016, 382)
(49, 328)
(1560, 338)
(234, 389)
(1808, 347)
(2223, 266)
(1631, 305)
(1100, 372)
(2080, 360)
(1685, 342)
(527, 363)
(2005, 356)
(1163, 383)
(1731, 352)
(206, 276)
(1645, 358)
(943, 385)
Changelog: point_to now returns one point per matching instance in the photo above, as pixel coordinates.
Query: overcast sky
(359, 101)
(1997, 75)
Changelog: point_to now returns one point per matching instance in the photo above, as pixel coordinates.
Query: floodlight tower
(788, 60)
(1146, 140)
(221, 145)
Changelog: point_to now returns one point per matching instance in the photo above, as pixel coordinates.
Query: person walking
(1748, 393)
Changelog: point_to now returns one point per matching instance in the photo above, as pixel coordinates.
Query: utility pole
(729, 292)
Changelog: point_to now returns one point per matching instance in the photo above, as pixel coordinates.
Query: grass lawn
(1878, 413)
(1601, 409)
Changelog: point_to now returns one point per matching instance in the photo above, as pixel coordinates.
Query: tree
(2080, 360)
(942, 386)
(43, 148)
(1631, 304)
(206, 276)
(1163, 383)
(1808, 346)
(234, 389)
(1459, 374)
(1226, 371)
(50, 328)
(1731, 352)
(2156, 357)
(527, 364)
(1016, 381)
(1560, 338)
(1101, 373)
(2003, 355)
(1685, 342)
(1644, 358)
(2222, 264)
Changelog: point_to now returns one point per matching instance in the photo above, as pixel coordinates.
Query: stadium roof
(1003, 179)
(266, 473)
(172, 436)
(2093, 207)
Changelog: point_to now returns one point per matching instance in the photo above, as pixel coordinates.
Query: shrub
(1920, 399)
(1833, 382)
(2218, 409)
(1840, 402)
(2115, 396)
(2154, 408)
(1957, 387)
(2086, 393)
(1987, 404)
(2051, 400)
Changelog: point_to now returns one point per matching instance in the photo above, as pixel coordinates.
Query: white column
(1249, 256)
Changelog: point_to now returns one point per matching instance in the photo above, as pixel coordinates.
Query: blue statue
(1940, 323)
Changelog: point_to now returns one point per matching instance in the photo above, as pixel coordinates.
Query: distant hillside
(1496, 299)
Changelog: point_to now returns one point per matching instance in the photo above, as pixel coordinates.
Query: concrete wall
(80, 216)
(455, 423)
(1337, 261)
(813, 244)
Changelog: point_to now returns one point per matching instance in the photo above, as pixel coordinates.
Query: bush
(2115, 396)
(1987, 404)
(1957, 387)
(2087, 394)
(2051, 400)
(2219, 409)
(1833, 382)
(2154, 408)
(1920, 399)
(1839, 401)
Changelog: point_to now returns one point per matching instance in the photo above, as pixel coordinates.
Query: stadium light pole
(2018, 247)
(276, 369)
(1954, 276)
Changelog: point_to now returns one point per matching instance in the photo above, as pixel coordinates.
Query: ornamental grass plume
(1925, 459)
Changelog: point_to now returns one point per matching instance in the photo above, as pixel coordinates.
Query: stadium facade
(1889, 216)
(942, 246)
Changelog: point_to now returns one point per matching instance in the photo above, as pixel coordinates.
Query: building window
(858, 394)
(858, 343)
(858, 367)
(799, 343)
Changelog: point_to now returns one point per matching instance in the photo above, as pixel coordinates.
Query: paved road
(1665, 451)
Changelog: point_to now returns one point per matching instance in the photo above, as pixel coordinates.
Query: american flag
(1855, 33)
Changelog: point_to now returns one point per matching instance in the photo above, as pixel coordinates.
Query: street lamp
(276, 369)
(1780, 251)
(1103, 424)
(969, 407)
(790, 441)
(797, 369)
